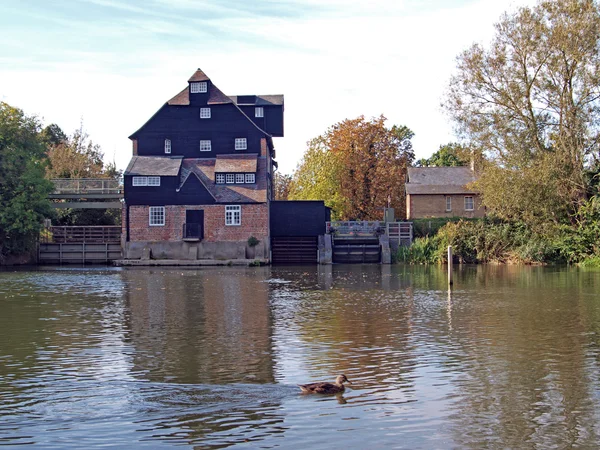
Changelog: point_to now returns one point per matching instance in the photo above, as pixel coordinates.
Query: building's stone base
(181, 250)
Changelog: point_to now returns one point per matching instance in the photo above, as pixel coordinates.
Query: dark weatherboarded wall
(298, 218)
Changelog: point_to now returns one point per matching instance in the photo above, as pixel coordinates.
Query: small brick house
(442, 192)
(199, 183)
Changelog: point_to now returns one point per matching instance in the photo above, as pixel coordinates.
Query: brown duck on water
(325, 388)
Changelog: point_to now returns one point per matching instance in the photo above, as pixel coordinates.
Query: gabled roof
(215, 97)
(198, 76)
(439, 180)
(236, 163)
(154, 165)
(259, 100)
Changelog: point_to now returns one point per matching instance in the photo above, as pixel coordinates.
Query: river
(210, 358)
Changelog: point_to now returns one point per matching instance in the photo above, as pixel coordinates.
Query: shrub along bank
(492, 240)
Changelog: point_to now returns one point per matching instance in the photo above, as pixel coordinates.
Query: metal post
(450, 282)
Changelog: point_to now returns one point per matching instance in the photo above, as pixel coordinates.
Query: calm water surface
(158, 358)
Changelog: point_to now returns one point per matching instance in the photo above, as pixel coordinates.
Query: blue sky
(113, 63)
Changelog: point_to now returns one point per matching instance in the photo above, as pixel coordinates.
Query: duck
(325, 388)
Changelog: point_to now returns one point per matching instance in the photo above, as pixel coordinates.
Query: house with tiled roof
(199, 183)
(442, 192)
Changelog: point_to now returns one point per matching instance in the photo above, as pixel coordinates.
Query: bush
(422, 251)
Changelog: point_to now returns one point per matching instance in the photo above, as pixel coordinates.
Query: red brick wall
(255, 222)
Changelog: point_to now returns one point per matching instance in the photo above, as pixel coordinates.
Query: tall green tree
(448, 155)
(532, 101)
(23, 188)
(358, 167)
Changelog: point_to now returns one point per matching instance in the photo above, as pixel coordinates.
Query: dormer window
(241, 144)
(199, 87)
(167, 145)
(259, 112)
(205, 113)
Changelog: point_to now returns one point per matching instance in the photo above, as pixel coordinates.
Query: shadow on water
(210, 358)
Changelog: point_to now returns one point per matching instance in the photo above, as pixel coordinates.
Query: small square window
(220, 178)
(469, 204)
(205, 146)
(156, 216)
(259, 112)
(140, 181)
(205, 113)
(198, 87)
(167, 145)
(233, 215)
(230, 178)
(250, 178)
(241, 144)
(153, 181)
(239, 178)
(448, 203)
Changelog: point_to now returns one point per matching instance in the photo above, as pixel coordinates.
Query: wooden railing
(79, 234)
(403, 231)
(87, 186)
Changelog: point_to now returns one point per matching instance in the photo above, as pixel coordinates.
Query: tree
(449, 155)
(358, 167)
(23, 189)
(281, 185)
(532, 101)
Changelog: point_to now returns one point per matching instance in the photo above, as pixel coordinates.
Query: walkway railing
(79, 234)
(87, 186)
(357, 228)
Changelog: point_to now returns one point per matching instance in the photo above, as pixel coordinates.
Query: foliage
(449, 155)
(358, 167)
(430, 226)
(23, 189)
(532, 101)
(281, 185)
(253, 241)
(423, 250)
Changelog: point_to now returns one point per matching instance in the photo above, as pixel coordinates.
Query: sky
(111, 64)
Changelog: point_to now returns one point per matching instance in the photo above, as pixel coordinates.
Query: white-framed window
(220, 178)
(233, 215)
(241, 144)
(205, 113)
(139, 181)
(167, 145)
(230, 178)
(259, 111)
(198, 87)
(205, 146)
(156, 216)
(153, 181)
(448, 203)
(239, 178)
(469, 204)
(250, 178)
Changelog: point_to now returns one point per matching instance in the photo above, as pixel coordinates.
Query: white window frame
(155, 214)
(259, 111)
(199, 87)
(229, 178)
(139, 181)
(205, 146)
(233, 215)
(205, 113)
(250, 178)
(472, 201)
(168, 146)
(448, 203)
(220, 178)
(153, 181)
(239, 178)
(241, 144)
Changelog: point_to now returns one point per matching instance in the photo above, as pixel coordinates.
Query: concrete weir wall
(181, 250)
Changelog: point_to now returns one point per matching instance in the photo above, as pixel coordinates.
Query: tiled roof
(439, 180)
(215, 97)
(198, 76)
(154, 165)
(235, 163)
(204, 169)
(260, 100)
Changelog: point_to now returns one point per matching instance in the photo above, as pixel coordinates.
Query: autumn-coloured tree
(358, 167)
(281, 185)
